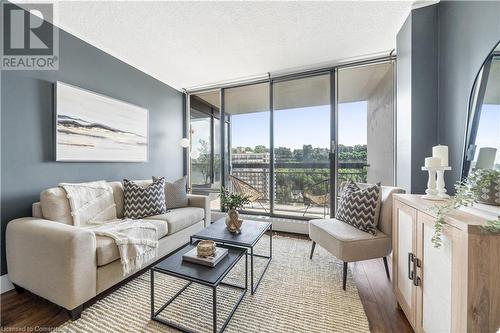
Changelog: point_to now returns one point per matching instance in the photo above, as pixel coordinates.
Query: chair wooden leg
(386, 268)
(344, 276)
(312, 249)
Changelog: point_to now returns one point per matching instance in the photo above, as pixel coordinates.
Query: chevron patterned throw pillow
(360, 207)
(144, 201)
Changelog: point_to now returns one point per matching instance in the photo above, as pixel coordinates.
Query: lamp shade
(184, 142)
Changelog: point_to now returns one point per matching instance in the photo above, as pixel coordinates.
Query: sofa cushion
(55, 205)
(348, 243)
(118, 195)
(175, 193)
(142, 201)
(180, 218)
(106, 248)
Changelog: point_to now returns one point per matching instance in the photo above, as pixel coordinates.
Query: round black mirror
(482, 141)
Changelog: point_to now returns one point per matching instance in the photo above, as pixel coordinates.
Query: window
(302, 147)
(247, 109)
(280, 154)
(204, 133)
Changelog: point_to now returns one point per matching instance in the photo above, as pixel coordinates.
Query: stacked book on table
(192, 256)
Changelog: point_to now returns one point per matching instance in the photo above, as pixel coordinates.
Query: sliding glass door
(302, 129)
(290, 143)
(248, 115)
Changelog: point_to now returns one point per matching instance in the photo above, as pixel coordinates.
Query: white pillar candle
(432, 162)
(442, 153)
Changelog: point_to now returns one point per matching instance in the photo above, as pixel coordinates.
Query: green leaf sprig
(466, 193)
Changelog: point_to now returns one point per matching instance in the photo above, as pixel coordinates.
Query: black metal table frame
(269, 257)
(154, 314)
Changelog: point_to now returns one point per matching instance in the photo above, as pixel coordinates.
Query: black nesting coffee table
(251, 233)
(207, 276)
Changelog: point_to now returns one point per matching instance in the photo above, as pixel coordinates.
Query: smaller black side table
(208, 276)
(251, 233)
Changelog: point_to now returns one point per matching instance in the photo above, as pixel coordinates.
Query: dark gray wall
(417, 96)
(424, 102)
(468, 31)
(27, 128)
(440, 51)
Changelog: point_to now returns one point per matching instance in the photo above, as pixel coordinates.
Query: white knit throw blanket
(92, 206)
(90, 202)
(137, 241)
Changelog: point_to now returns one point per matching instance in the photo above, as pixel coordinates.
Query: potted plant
(483, 186)
(232, 202)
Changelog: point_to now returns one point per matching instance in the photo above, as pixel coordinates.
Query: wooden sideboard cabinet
(455, 288)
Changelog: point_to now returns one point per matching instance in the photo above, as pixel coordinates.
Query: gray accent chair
(350, 244)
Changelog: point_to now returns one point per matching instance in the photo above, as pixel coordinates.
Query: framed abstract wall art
(92, 127)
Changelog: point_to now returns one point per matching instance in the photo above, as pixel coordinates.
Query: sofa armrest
(201, 201)
(53, 260)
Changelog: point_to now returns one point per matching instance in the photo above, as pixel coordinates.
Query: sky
(295, 127)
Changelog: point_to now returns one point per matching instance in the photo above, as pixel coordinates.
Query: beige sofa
(69, 265)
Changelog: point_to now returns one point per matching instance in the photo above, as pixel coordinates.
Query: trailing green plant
(466, 193)
(232, 200)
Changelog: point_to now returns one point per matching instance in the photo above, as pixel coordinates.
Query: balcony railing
(301, 189)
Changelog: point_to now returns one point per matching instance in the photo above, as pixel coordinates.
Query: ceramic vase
(490, 195)
(233, 221)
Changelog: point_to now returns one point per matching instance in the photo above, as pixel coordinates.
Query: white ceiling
(187, 44)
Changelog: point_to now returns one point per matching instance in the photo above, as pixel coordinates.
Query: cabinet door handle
(411, 258)
(416, 279)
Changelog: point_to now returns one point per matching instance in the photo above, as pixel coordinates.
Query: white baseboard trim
(6, 285)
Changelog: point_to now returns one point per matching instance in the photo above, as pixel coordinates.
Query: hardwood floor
(378, 299)
(27, 312)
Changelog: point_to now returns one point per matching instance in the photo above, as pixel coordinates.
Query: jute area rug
(296, 295)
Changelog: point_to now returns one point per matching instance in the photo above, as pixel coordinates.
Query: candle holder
(435, 185)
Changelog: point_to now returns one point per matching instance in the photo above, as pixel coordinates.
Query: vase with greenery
(477, 187)
(232, 202)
